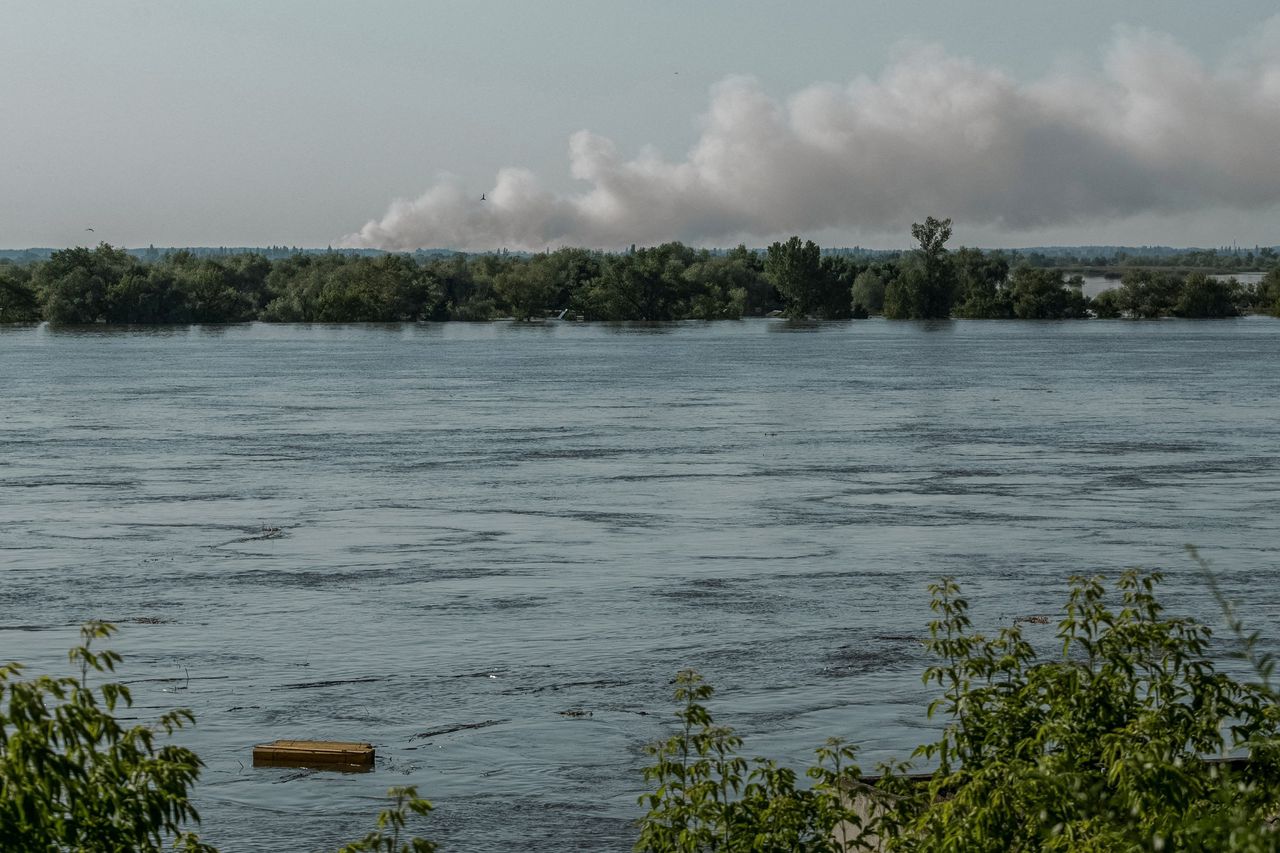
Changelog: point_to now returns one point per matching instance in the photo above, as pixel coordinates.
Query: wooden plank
(319, 754)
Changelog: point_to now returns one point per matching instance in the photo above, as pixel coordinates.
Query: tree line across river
(667, 282)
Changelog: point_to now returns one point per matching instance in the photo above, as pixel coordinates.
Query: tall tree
(926, 287)
(795, 268)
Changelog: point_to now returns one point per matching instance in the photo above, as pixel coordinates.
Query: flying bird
(482, 196)
(88, 229)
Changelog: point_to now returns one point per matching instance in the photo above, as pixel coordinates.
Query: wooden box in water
(317, 754)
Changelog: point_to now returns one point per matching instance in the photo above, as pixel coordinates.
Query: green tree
(708, 797)
(396, 819)
(762, 296)
(867, 292)
(1146, 294)
(74, 283)
(149, 295)
(575, 271)
(284, 298)
(465, 295)
(1202, 296)
(528, 289)
(925, 287)
(341, 289)
(248, 276)
(1105, 743)
(73, 778)
(647, 284)
(836, 287)
(1101, 747)
(1106, 305)
(480, 302)
(904, 296)
(718, 287)
(795, 268)
(1041, 294)
(210, 294)
(19, 302)
(980, 290)
(1266, 294)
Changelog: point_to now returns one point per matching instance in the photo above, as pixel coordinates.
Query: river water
(384, 533)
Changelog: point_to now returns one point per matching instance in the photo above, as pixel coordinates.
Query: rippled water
(494, 524)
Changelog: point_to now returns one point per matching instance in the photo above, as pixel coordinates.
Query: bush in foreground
(73, 778)
(1100, 747)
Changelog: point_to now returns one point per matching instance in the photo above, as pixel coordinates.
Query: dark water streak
(466, 531)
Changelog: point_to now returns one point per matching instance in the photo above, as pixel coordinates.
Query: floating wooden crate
(317, 754)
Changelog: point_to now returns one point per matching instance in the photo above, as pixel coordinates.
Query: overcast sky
(604, 123)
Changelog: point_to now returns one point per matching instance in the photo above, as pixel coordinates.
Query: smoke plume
(1152, 131)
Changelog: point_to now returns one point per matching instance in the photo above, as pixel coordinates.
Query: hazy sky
(605, 123)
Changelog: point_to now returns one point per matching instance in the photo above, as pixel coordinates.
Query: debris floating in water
(316, 754)
(458, 728)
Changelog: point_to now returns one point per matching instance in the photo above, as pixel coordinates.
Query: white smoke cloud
(1153, 131)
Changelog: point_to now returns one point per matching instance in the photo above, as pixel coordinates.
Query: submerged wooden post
(317, 754)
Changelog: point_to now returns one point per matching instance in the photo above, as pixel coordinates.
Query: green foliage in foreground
(72, 778)
(1097, 748)
(1100, 747)
(395, 818)
(710, 798)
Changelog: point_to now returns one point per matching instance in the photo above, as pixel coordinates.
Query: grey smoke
(1153, 131)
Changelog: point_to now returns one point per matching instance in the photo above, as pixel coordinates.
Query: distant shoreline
(797, 279)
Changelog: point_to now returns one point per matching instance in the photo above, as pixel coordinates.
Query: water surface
(387, 533)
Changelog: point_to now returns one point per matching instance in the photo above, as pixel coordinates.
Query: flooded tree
(795, 268)
(925, 289)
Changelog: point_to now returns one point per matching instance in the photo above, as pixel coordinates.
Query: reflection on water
(442, 538)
